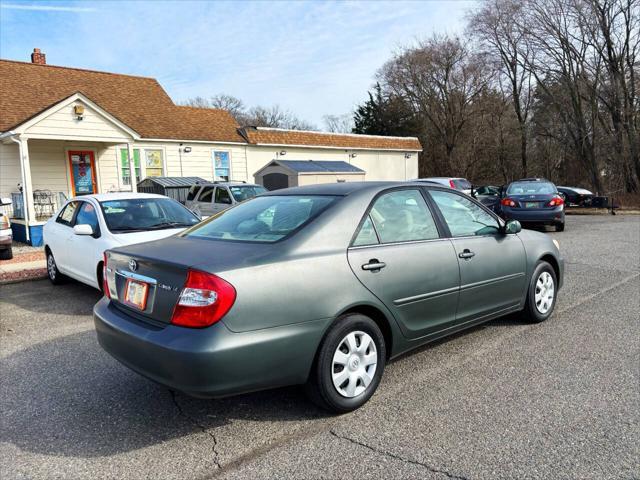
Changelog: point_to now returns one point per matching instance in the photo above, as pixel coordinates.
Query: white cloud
(46, 8)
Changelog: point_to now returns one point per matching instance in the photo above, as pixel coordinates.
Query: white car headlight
(556, 243)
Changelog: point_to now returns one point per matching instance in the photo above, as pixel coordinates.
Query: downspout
(24, 188)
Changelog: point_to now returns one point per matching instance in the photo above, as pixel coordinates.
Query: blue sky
(313, 58)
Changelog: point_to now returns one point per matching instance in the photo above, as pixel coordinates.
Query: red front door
(83, 172)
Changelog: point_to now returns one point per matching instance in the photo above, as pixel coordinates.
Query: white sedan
(76, 237)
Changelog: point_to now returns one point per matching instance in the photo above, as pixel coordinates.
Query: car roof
(342, 188)
(532, 180)
(104, 197)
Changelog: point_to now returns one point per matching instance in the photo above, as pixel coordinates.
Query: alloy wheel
(545, 292)
(354, 364)
(51, 267)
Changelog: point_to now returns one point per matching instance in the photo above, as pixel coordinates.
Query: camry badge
(133, 265)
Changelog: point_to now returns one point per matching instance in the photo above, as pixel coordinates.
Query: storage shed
(173, 187)
(293, 173)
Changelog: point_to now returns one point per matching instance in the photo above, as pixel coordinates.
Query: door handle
(374, 265)
(466, 254)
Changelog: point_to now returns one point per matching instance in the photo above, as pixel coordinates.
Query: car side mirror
(83, 229)
(5, 201)
(511, 227)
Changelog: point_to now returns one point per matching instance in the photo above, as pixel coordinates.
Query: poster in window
(82, 174)
(221, 165)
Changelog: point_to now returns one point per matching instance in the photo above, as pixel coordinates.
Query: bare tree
(441, 78)
(338, 123)
(501, 38)
(276, 117)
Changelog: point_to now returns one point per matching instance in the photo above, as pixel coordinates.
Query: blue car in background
(533, 201)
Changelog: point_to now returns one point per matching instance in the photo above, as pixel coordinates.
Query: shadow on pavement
(67, 397)
(40, 296)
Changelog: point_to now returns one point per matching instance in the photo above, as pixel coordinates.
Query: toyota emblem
(133, 265)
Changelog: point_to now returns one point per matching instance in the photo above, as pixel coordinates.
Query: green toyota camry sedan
(318, 285)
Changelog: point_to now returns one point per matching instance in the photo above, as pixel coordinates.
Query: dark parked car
(576, 196)
(533, 201)
(489, 196)
(318, 285)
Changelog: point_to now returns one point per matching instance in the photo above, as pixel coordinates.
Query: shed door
(275, 181)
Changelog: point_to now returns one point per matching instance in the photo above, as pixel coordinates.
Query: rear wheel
(6, 253)
(52, 270)
(349, 364)
(542, 293)
(560, 227)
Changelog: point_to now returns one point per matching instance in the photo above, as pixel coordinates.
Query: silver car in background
(457, 183)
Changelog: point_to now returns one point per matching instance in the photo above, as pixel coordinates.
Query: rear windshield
(531, 188)
(144, 214)
(243, 193)
(462, 184)
(263, 219)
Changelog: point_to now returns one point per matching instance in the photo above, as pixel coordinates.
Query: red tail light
(555, 202)
(105, 283)
(204, 300)
(509, 202)
(451, 184)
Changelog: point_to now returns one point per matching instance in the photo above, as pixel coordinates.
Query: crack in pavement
(195, 422)
(398, 457)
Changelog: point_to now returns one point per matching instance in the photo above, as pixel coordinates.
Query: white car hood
(139, 237)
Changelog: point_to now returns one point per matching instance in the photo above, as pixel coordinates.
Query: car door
(400, 256)
(85, 249)
(59, 232)
(492, 264)
(205, 201)
(222, 199)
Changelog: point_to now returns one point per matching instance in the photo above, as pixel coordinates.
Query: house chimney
(38, 57)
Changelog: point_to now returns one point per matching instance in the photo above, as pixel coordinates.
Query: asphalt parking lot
(506, 400)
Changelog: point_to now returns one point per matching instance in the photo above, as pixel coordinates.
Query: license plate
(135, 293)
(531, 205)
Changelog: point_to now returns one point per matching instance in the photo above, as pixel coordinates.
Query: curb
(23, 276)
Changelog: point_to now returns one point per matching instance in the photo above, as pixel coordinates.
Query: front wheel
(542, 293)
(52, 270)
(349, 365)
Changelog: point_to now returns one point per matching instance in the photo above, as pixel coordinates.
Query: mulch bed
(22, 275)
(24, 257)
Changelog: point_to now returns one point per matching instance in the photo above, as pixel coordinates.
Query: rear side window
(192, 192)
(67, 213)
(263, 219)
(206, 195)
(402, 216)
(366, 235)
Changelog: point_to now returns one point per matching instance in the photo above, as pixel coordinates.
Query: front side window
(192, 192)
(221, 166)
(464, 218)
(144, 214)
(125, 170)
(153, 163)
(263, 219)
(87, 216)
(222, 196)
(403, 216)
(67, 213)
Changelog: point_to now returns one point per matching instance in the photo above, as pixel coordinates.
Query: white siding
(9, 169)
(63, 123)
(378, 165)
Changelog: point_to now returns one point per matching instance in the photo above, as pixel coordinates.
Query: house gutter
(12, 136)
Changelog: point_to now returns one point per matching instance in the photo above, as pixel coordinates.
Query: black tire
(320, 387)
(560, 227)
(532, 312)
(6, 253)
(52, 270)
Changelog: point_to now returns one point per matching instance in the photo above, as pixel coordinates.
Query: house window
(153, 163)
(221, 166)
(124, 166)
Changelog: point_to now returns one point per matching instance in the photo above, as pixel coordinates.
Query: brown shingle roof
(275, 136)
(141, 103)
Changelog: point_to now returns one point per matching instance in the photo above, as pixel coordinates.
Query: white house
(67, 131)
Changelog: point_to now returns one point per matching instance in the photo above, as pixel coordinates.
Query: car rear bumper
(6, 237)
(213, 361)
(523, 215)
